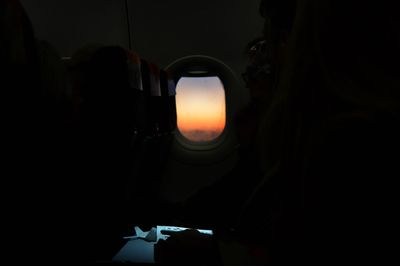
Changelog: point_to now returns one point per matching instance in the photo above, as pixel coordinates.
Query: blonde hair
(311, 75)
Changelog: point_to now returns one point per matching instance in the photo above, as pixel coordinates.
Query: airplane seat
(54, 78)
(106, 108)
(156, 123)
(120, 141)
(58, 136)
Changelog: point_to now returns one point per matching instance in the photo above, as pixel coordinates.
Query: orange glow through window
(200, 106)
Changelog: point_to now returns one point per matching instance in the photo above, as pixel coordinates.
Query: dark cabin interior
(229, 132)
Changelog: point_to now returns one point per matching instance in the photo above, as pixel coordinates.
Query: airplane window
(200, 107)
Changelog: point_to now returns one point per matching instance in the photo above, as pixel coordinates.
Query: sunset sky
(200, 104)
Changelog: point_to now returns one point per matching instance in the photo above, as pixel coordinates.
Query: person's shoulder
(361, 126)
(355, 141)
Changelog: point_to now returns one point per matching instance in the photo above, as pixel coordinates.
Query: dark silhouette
(330, 138)
(103, 155)
(122, 141)
(35, 137)
(316, 182)
(329, 141)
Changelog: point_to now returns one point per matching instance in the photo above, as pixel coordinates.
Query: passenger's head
(107, 99)
(53, 73)
(258, 73)
(279, 16)
(78, 68)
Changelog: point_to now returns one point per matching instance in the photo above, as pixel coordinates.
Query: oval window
(200, 107)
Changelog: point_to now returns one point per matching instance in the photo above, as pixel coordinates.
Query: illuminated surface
(200, 107)
(136, 251)
(141, 250)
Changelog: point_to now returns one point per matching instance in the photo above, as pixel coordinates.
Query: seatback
(153, 140)
(122, 145)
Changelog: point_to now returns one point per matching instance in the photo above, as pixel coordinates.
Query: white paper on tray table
(176, 229)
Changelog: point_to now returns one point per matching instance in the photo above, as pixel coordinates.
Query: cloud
(201, 135)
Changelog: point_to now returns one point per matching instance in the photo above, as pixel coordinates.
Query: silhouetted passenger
(330, 141)
(106, 111)
(34, 139)
(331, 138)
(18, 84)
(259, 81)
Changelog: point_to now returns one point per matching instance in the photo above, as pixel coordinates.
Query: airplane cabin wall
(72, 24)
(165, 31)
(161, 32)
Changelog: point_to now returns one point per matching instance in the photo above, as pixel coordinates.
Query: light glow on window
(200, 106)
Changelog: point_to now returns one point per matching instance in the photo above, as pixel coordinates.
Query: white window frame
(193, 152)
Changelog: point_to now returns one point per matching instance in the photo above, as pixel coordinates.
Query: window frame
(193, 152)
